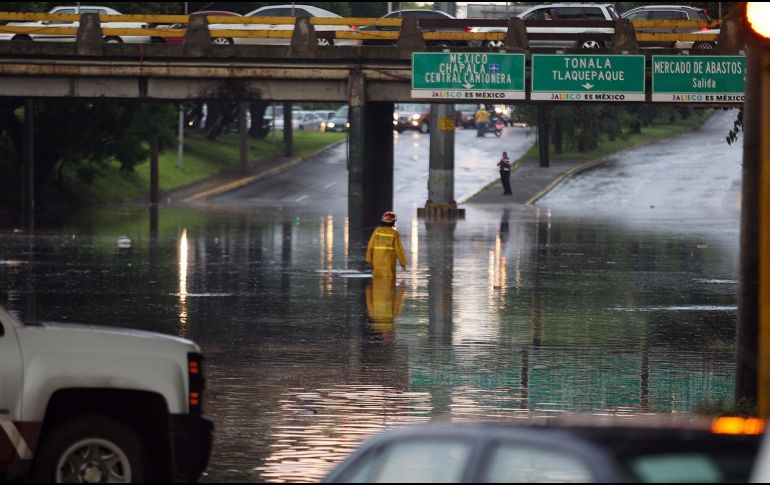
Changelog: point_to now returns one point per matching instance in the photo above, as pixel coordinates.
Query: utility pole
(753, 329)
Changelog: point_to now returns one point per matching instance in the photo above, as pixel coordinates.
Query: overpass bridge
(369, 78)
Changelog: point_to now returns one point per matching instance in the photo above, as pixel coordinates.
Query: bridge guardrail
(154, 21)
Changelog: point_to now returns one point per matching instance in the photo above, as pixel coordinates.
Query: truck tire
(90, 449)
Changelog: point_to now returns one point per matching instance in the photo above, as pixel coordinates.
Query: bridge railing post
(304, 41)
(516, 37)
(197, 37)
(731, 38)
(89, 41)
(624, 38)
(410, 38)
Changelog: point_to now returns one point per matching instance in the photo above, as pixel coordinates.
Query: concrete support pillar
(441, 176)
(378, 161)
(543, 134)
(29, 163)
(359, 224)
(243, 132)
(154, 173)
(288, 130)
(440, 246)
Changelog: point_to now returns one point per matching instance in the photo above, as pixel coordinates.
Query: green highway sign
(467, 76)
(587, 77)
(701, 79)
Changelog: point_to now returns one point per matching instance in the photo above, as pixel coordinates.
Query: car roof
(564, 5)
(316, 11)
(568, 4)
(655, 7)
(81, 7)
(604, 442)
(218, 13)
(413, 10)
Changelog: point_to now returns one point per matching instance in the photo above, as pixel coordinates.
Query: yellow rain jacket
(383, 250)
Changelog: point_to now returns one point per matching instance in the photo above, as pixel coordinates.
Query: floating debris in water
(124, 242)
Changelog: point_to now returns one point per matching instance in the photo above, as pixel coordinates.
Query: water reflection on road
(515, 311)
(509, 313)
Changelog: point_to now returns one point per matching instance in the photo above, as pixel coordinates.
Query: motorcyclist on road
(385, 248)
(482, 119)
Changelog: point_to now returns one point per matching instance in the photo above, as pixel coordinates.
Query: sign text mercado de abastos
(579, 77)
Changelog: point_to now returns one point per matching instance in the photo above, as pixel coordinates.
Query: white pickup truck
(95, 404)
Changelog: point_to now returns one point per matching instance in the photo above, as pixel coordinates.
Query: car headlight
(415, 117)
(330, 125)
(395, 116)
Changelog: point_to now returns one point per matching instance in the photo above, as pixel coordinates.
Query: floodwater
(513, 312)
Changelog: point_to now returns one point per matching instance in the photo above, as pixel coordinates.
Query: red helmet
(389, 217)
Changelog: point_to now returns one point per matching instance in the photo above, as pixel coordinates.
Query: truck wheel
(90, 449)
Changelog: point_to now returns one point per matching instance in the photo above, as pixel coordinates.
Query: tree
(85, 136)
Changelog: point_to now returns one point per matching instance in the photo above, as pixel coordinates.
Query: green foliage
(203, 158)
(732, 135)
(89, 134)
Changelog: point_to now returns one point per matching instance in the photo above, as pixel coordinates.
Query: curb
(589, 165)
(237, 184)
(594, 163)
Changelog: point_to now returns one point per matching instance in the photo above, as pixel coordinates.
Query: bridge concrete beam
(189, 89)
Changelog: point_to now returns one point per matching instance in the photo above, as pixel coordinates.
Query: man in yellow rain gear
(384, 248)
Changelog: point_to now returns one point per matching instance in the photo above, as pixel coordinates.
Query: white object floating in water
(338, 271)
(124, 242)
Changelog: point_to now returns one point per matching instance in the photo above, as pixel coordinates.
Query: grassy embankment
(202, 159)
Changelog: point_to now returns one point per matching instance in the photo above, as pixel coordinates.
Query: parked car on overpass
(666, 12)
(584, 37)
(699, 44)
(76, 10)
(179, 39)
(420, 14)
(590, 450)
(289, 10)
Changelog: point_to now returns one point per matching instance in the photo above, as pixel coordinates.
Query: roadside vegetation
(590, 144)
(203, 158)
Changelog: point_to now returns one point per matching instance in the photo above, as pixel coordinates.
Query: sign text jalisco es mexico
(467, 76)
(587, 77)
(698, 79)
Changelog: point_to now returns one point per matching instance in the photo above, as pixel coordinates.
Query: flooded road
(515, 311)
